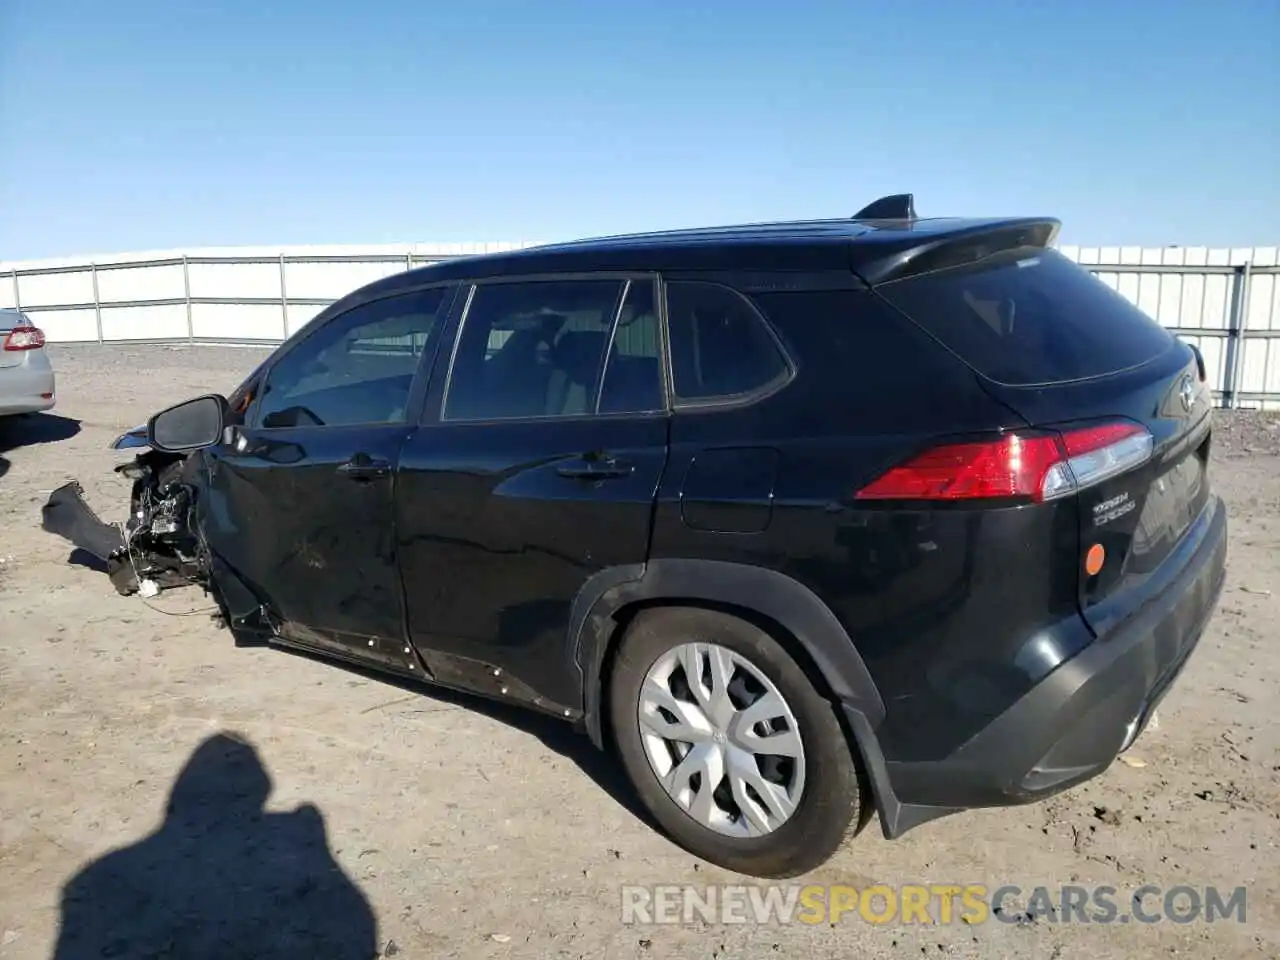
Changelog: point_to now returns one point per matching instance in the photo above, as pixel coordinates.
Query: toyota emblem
(1187, 393)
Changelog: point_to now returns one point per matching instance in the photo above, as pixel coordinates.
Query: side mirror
(188, 426)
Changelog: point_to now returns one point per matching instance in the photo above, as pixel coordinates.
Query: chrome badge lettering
(1112, 509)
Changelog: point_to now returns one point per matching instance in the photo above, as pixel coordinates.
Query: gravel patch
(1246, 433)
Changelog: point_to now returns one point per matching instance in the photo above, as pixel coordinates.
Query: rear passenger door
(536, 467)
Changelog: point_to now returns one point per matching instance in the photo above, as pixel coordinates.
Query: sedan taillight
(24, 338)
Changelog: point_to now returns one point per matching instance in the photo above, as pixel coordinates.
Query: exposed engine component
(159, 545)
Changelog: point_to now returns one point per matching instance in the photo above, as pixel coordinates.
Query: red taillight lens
(1036, 467)
(24, 338)
(1011, 466)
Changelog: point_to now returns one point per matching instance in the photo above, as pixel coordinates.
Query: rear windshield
(1030, 316)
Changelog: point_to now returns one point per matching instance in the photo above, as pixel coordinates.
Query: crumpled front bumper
(66, 515)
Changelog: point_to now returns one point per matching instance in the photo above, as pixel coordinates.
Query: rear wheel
(729, 745)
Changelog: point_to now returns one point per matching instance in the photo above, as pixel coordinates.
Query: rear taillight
(1095, 454)
(24, 338)
(1037, 466)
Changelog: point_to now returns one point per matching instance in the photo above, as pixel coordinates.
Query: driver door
(299, 506)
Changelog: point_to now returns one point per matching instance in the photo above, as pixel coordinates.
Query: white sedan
(26, 376)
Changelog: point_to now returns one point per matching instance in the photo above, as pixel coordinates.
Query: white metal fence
(1225, 301)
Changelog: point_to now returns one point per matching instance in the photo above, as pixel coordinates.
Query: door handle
(364, 467)
(596, 468)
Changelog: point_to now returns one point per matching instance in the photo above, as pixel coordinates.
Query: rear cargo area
(1070, 355)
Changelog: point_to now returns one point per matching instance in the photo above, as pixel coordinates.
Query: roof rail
(899, 206)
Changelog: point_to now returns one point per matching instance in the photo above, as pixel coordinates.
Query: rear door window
(532, 349)
(1030, 316)
(633, 371)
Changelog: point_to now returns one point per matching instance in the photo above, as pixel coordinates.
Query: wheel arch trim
(594, 620)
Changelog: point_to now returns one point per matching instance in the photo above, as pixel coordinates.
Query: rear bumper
(1074, 723)
(27, 388)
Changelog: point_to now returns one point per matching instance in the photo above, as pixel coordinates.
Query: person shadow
(220, 878)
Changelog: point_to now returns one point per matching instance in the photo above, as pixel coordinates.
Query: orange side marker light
(1094, 559)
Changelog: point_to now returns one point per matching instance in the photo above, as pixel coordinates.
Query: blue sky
(146, 124)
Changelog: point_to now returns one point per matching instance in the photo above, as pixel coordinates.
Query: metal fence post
(1235, 336)
(284, 303)
(186, 295)
(1245, 282)
(17, 297)
(97, 301)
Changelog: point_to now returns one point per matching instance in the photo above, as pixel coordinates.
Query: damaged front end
(158, 546)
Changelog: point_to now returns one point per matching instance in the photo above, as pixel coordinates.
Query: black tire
(831, 802)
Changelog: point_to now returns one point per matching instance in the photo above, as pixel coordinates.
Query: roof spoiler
(907, 254)
(899, 206)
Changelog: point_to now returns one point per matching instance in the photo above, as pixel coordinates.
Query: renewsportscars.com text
(929, 904)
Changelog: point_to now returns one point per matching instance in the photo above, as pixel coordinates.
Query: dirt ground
(420, 825)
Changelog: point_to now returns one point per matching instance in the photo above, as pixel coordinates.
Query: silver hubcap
(722, 740)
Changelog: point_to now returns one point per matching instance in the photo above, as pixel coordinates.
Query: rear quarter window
(721, 347)
(1030, 316)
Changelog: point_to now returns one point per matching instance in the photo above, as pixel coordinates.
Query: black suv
(804, 520)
